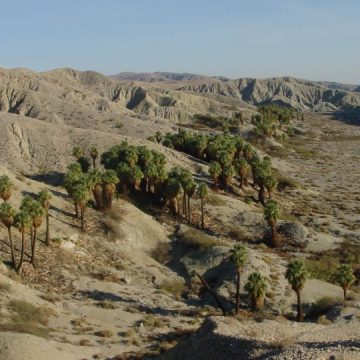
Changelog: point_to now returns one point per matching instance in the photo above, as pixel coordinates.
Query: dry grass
(175, 287)
(152, 321)
(104, 333)
(199, 240)
(4, 287)
(27, 318)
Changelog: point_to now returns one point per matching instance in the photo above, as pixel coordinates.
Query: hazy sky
(314, 39)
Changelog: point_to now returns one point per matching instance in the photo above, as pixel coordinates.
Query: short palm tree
(227, 174)
(7, 214)
(44, 198)
(78, 152)
(256, 287)
(6, 187)
(173, 190)
(239, 255)
(22, 222)
(202, 192)
(94, 154)
(345, 277)
(95, 184)
(270, 185)
(271, 215)
(296, 274)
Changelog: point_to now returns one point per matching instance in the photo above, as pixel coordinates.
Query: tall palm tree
(243, 169)
(71, 178)
(296, 274)
(202, 192)
(189, 189)
(6, 187)
(94, 154)
(35, 211)
(173, 190)
(7, 214)
(239, 255)
(215, 172)
(256, 287)
(271, 215)
(345, 277)
(44, 198)
(22, 222)
(80, 195)
(227, 175)
(109, 182)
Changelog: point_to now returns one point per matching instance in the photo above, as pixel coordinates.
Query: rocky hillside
(299, 94)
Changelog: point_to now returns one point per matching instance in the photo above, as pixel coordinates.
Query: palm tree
(22, 222)
(296, 274)
(7, 214)
(345, 277)
(80, 194)
(239, 255)
(202, 192)
(270, 185)
(6, 187)
(256, 287)
(44, 197)
(71, 178)
(271, 215)
(215, 172)
(94, 154)
(189, 190)
(243, 169)
(109, 182)
(173, 190)
(78, 152)
(35, 211)
(95, 183)
(227, 175)
(136, 175)
(124, 173)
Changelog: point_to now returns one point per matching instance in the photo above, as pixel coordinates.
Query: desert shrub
(84, 342)
(237, 233)
(27, 318)
(199, 240)
(323, 305)
(26, 312)
(162, 253)
(152, 321)
(104, 333)
(175, 287)
(322, 268)
(132, 338)
(215, 200)
(106, 305)
(286, 183)
(50, 297)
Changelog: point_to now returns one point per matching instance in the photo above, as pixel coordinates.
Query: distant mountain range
(300, 94)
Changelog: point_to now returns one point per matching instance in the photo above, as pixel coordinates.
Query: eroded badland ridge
(274, 162)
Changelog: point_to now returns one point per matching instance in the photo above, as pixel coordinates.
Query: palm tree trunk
(300, 315)
(211, 291)
(22, 251)
(202, 214)
(33, 247)
(94, 162)
(345, 293)
(82, 211)
(188, 210)
(184, 206)
(47, 236)
(178, 206)
(76, 210)
(237, 296)
(11, 247)
(274, 236)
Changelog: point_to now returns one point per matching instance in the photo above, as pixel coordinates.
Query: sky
(317, 39)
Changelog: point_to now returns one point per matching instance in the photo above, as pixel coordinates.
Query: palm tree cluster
(270, 119)
(80, 184)
(133, 169)
(228, 156)
(27, 219)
